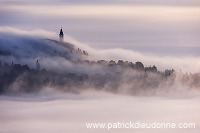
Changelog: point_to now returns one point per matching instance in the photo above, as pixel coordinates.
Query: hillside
(19, 47)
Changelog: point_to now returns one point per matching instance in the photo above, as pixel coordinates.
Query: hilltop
(29, 64)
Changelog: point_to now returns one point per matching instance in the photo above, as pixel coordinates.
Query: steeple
(61, 35)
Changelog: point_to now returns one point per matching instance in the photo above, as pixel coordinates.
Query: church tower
(61, 35)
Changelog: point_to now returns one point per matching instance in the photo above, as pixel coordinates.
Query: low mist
(71, 88)
(69, 112)
(74, 67)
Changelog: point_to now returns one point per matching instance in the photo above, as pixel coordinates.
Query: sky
(150, 26)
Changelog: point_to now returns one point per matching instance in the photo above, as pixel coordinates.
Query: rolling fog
(27, 53)
(52, 110)
(57, 112)
(21, 48)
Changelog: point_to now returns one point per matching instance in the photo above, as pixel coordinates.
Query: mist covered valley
(29, 64)
(52, 86)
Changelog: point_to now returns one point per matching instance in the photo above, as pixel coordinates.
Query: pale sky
(155, 26)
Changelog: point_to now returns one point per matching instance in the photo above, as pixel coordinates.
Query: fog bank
(70, 113)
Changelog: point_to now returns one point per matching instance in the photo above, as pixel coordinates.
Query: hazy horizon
(171, 26)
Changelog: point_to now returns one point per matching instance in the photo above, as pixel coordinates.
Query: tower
(61, 35)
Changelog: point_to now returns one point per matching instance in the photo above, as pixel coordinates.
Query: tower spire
(61, 35)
